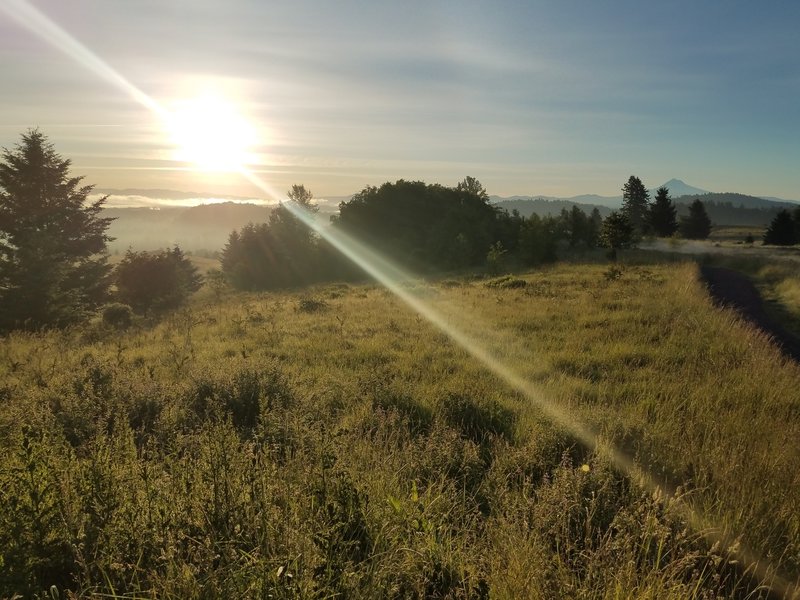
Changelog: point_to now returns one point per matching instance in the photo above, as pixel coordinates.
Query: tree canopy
(427, 225)
(53, 268)
(282, 252)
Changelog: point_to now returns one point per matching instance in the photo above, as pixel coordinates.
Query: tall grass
(252, 447)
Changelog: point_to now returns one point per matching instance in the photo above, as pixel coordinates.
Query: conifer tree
(617, 231)
(782, 231)
(663, 214)
(636, 205)
(697, 226)
(53, 268)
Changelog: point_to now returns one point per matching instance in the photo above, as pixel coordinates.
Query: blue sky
(555, 98)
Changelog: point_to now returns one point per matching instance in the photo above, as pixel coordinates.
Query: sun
(209, 133)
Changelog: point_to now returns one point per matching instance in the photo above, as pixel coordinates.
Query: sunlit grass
(346, 442)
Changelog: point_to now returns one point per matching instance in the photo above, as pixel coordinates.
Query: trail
(733, 290)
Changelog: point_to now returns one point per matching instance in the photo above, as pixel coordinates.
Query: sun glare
(209, 133)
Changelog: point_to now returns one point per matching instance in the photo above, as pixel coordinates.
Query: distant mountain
(723, 208)
(678, 188)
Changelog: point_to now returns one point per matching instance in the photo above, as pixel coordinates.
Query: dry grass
(251, 447)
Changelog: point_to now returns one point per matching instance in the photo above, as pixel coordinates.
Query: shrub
(156, 280)
(309, 305)
(118, 315)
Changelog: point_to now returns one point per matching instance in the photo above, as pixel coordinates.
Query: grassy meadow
(332, 443)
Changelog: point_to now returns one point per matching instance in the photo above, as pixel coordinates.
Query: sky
(553, 98)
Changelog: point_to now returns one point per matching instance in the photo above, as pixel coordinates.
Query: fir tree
(782, 231)
(697, 226)
(663, 214)
(617, 231)
(636, 205)
(53, 268)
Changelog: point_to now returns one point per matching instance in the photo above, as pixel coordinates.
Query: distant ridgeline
(729, 209)
(547, 207)
(724, 209)
(194, 228)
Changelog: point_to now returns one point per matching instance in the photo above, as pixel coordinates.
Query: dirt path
(733, 290)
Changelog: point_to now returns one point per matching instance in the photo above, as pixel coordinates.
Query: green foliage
(663, 214)
(245, 448)
(428, 226)
(496, 259)
(424, 227)
(618, 232)
(473, 187)
(53, 269)
(697, 226)
(579, 229)
(507, 282)
(783, 230)
(537, 240)
(636, 206)
(282, 253)
(156, 281)
(117, 315)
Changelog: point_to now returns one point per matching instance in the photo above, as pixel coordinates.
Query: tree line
(639, 217)
(422, 227)
(54, 268)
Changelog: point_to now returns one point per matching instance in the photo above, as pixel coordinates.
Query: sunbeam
(43, 27)
(392, 277)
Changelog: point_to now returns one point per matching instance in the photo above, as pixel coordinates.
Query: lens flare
(392, 277)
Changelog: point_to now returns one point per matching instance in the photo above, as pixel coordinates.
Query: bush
(118, 315)
(156, 280)
(310, 305)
